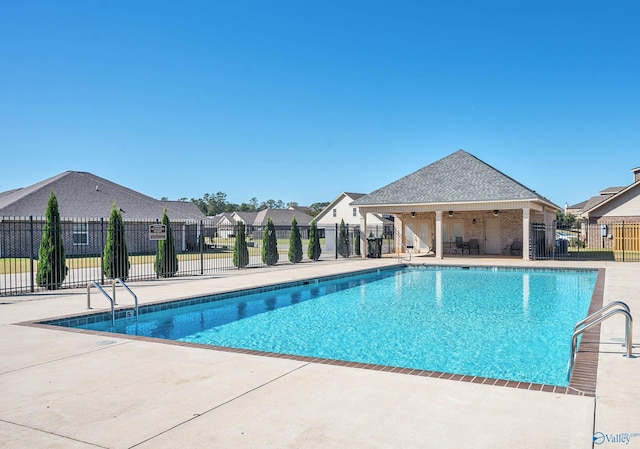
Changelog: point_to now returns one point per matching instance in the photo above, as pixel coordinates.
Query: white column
(438, 234)
(364, 249)
(526, 226)
(398, 238)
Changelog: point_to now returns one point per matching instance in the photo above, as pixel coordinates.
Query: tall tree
(314, 250)
(295, 242)
(166, 260)
(52, 268)
(240, 250)
(270, 244)
(343, 240)
(316, 208)
(116, 256)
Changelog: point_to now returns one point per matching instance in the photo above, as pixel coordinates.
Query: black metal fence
(613, 241)
(201, 248)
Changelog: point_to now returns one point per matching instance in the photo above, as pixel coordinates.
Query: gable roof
(595, 203)
(85, 195)
(281, 217)
(245, 217)
(332, 204)
(459, 177)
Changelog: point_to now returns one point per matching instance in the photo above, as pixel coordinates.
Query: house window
(335, 213)
(80, 234)
(355, 211)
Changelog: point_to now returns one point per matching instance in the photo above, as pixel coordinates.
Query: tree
(166, 260)
(52, 268)
(116, 257)
(314, 250)
(240, 250)
(343, 240)
(295, 243)
(566, 220)
(316, 208)
(269, 244)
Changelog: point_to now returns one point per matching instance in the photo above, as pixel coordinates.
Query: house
(614, 216)
(340, 209)
(85, 202)
(461, 198)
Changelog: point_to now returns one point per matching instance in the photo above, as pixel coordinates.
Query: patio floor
(65, 389)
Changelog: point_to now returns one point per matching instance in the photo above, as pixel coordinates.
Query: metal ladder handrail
(400, 240)
(600, 311)
(111, 301)
(121, 282)
(628, 337)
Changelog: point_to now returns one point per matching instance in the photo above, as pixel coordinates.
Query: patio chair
(474, 246)
(460, 246)
(516, 248)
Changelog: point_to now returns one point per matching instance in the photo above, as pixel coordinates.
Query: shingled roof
(85, 195)
(459, 177)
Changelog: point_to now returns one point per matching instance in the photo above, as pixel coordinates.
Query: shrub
(343, 240)
(269, 244)
(356, 243)
(240, 250)
(314, 250)
(116, 257)
(166, 260)
(52, 268)
(295, 243)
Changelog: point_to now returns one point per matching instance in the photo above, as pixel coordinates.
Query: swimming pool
(499, 323)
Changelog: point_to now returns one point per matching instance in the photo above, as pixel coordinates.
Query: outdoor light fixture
(473, 221)
(413, 214)
(495, 212)
(451, 213)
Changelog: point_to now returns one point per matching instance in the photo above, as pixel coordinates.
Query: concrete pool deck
(64, 389)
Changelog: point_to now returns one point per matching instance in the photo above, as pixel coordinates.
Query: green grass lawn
(223, 249)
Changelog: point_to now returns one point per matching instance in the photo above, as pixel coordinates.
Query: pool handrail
(628, 334)
(111, 301)
(135, 298)
(400, 257)
(600, 311)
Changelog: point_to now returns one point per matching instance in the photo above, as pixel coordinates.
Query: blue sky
(300, 101)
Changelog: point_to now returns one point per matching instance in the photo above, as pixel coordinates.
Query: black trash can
(374, 247)
(562, 247)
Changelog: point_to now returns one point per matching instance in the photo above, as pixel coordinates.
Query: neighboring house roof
(578, 206)
(85, 195)
(592, 206)
(245, 217)
(611, 190)
(182, 209)
(459, 177)
(302, 209)
(223, 218)
(593, 202)
(281, 217)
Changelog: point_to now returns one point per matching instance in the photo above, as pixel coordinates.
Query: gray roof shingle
(459, 177)
(85, 195)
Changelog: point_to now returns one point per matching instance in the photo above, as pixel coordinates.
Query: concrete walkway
(63, 389)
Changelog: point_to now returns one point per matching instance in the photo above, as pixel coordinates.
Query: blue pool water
(506, 324)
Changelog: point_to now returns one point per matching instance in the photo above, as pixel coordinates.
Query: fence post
(101, 250)
(336, 245)
(31, 255)
(623, 241)
(200, 237)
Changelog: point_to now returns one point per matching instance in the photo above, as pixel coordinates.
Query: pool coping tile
(582, 382)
